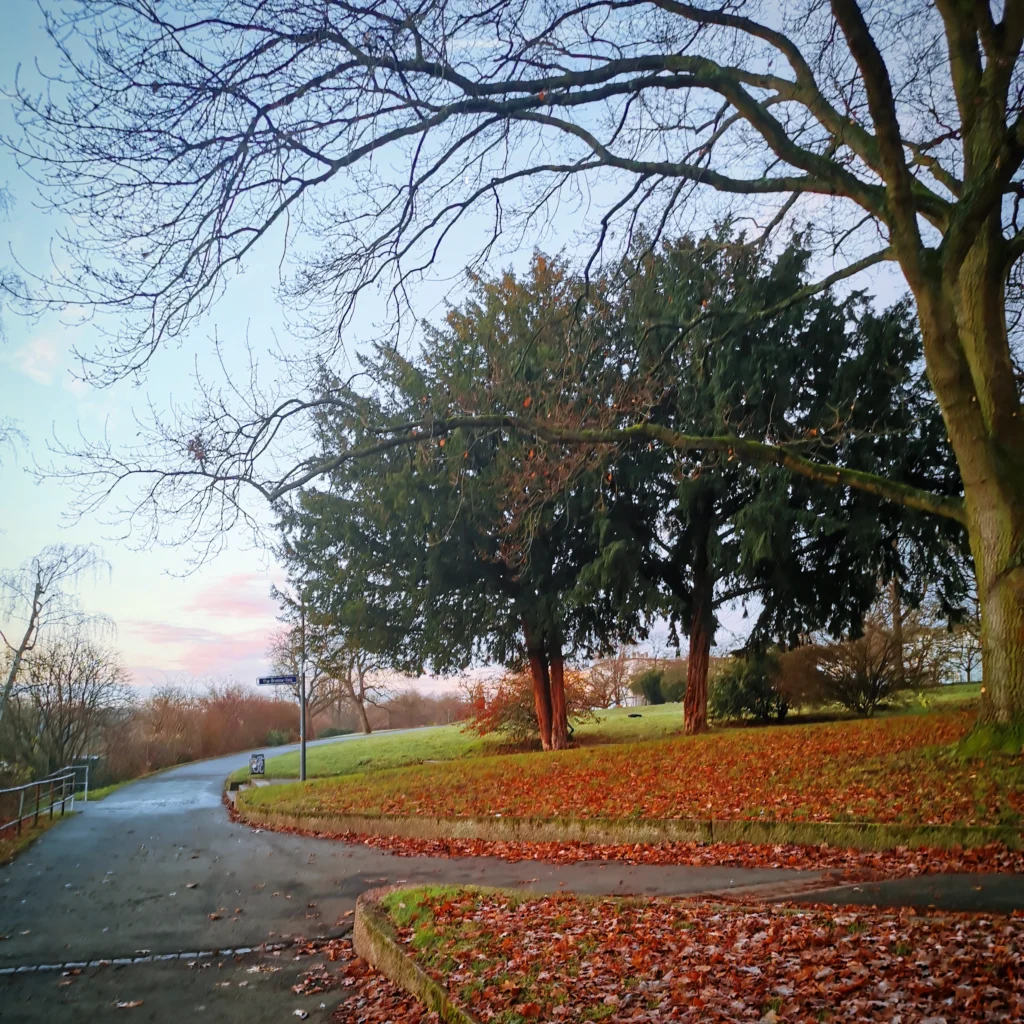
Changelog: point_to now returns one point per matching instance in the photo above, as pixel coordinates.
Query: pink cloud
(196, 650)
(239, 596)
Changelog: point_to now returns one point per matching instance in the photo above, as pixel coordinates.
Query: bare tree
(361, 686)
(296, 649)
(610, 677)
(71, 685)
(964, 645)
(36, 596)
(337, 668)
(10, 434)
(387, 130)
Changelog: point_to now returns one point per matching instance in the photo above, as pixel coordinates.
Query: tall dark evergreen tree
(470, 546)
(481, 544)
(827, 378)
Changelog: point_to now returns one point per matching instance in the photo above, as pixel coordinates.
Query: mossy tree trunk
(963, 319)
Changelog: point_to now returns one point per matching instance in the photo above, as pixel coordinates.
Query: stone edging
(855, 835)
(374, 940)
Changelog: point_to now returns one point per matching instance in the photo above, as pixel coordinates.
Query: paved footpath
(158, 869)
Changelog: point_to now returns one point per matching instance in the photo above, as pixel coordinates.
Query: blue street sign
(278, 680)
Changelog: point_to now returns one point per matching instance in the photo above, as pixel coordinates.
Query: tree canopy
(485, 546)
(182, 135)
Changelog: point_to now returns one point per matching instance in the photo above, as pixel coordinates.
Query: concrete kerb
(844, 835)
(374, 940)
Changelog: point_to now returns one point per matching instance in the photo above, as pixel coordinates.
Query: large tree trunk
(541, 695)
(695, 703)
(541, 685)
(897, 627)
(963, 323)
(559, 719)
(1001, 589)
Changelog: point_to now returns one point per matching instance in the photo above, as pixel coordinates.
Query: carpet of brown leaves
(368, 996)
(850, 864)
(904, 769)
(564, 959)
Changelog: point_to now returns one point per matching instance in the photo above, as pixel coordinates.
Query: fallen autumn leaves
(561, 958)
(850, 864)
(897, 770)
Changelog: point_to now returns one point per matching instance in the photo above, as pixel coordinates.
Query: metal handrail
(65, 778)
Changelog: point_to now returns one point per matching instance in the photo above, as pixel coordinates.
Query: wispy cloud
(240, 596)
(194, 650)
(41, 358)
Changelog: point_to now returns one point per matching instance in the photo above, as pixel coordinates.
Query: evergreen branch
(734, 447)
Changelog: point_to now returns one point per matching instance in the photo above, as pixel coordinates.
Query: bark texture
(695, 703)
(559, 718)
(547, 672)
(963, 320)
(541, 694)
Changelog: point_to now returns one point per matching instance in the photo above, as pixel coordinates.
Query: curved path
(158, 867)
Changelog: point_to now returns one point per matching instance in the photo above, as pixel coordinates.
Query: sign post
(302, 724)
(291, 681)
(257, 764)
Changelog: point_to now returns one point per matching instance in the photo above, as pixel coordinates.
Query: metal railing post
(51, 800)
(21, 808)
(38, 802)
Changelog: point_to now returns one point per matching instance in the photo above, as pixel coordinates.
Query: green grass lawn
(105, 791)
(903, 769)
(452, 742)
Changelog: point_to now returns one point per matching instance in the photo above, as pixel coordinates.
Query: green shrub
(648, 685)
(276, 737)
(326, 734)
(747, 687)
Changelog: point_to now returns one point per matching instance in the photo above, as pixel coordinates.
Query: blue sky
(172, 622)
(213, 622)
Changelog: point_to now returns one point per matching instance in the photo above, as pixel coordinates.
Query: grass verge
(513, 957)
(12, 845)
(359, 754)
(105, 791)
(903, 770)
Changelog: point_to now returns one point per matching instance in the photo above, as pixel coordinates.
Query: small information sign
(257, 764)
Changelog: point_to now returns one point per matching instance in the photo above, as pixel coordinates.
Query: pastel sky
(173, 620)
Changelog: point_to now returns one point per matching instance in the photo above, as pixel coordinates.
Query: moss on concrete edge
(496, 829)
(855, 835)
(865, 835)
(374, 940)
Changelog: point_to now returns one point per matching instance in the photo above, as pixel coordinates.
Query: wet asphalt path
(158, 868)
